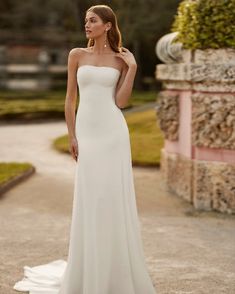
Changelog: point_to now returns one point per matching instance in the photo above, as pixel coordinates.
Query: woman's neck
(99, 48)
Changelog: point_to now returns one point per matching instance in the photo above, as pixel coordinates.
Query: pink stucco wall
(209, 154)
(184, 145)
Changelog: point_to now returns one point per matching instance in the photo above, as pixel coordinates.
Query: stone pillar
(196, 113)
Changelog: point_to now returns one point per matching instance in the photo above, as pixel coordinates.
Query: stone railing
(40, 75)
(31, 76)
(196, 113)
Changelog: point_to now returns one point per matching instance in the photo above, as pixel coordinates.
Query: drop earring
(105, 40)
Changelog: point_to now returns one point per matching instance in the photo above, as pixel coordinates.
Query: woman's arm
(71, 94)
(70, 100)
(125, 84)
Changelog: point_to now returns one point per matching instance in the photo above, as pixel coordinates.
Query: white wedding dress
(105, 249)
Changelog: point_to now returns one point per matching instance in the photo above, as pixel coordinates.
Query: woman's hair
(113, 34)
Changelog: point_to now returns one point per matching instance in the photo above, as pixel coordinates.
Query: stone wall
(213, 120)
(198, 159)
(168, 114)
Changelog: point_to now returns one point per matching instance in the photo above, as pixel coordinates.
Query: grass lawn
(30, 105)
(9, 170)
(62, 144)
(145, 135)
(146, 138)
(141, 97)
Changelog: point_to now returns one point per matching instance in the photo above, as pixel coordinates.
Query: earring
(105, 40)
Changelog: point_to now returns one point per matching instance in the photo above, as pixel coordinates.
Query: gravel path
(186, 251)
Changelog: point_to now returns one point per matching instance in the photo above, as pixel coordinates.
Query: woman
(105, 250)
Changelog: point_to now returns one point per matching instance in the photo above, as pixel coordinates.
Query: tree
(141, 22)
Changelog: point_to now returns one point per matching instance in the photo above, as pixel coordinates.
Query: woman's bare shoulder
(78, 51)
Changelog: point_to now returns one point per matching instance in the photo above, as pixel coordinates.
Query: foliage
(61, 22)
(205, 24)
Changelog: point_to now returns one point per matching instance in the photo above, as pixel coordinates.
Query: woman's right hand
(73, 148)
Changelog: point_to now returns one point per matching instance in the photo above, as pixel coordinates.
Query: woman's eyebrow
(90, 17)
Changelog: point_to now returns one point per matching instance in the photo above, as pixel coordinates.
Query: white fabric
(105, 250)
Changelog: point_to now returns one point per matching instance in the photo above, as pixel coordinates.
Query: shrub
(205, 24)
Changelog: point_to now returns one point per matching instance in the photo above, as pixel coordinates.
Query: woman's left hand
(128, 57)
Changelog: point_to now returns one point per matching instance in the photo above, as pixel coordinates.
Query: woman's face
(94, 25)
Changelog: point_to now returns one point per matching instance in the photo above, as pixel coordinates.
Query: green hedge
(205, 24)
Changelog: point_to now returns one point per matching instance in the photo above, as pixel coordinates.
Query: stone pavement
(186, 251)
